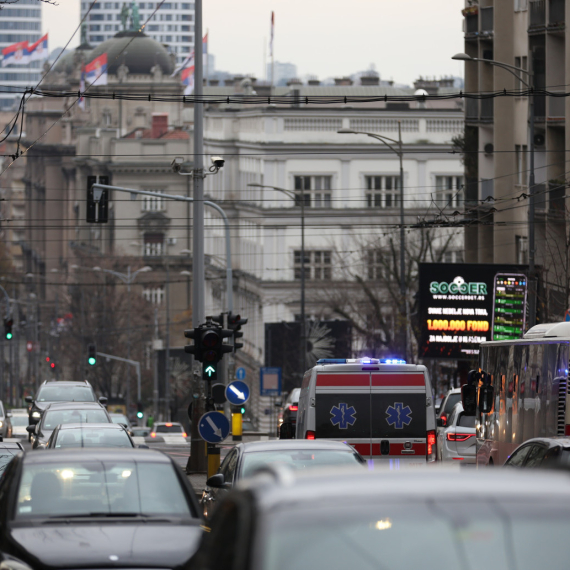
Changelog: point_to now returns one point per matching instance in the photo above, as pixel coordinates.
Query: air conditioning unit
(171, 241)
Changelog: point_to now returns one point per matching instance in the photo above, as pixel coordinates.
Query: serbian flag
(16, 54)
(187, 78)
(81, 102)
(205, 44)
(39, 50)
(271, 34)
(96, 71)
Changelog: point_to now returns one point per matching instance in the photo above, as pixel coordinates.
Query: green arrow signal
(210, 370)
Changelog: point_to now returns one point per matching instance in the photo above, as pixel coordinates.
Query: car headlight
(36, 415)
(1, 423)
(12, 564)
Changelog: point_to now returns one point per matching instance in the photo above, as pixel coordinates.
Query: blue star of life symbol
(343, 416)
(398, 416)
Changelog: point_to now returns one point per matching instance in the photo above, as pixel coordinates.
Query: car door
(227, 469)
(465, 439)
(518, 457)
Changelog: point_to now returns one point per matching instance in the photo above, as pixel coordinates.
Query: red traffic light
(52, 364)
(47, 358)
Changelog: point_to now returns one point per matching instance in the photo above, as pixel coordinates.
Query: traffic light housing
(140, 411)
(8, 329)
(235, 322)
(97, 209)
(92, 354)
(208, 347)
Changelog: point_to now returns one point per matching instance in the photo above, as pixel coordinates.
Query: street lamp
(398, 150)
(531, 207)
(294, 194)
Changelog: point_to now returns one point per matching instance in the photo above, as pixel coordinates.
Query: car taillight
(459, 436)
(443, 418)
(168, 425)
(152, 434)
(293, 408)
(184, 434)
(310, 435)
(431, 446)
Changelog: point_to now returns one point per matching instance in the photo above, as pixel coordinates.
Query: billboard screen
(463, 304)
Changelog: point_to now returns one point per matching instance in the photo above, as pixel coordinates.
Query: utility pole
(167, 353)
(155, 383)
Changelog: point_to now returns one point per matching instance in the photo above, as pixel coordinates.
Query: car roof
(97, 454)
(66, 383)
(453, 391)
(10, 445)
(560, 440)
(285, 488)
(293, 444)
(92, 426)
(74, 406)
(167, 424)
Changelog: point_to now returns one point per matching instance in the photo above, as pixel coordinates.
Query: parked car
(291, 407)
(451, 398)
(391, 520)
(66, 413)
(8, 450)
(5, 422)
(168, 432)
(19, 421)
(300, 455)
(458, 441)
(545, 452)
(100, 508)
(90, 435)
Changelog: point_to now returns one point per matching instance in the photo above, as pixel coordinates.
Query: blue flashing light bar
(332, 361)
(392, 361)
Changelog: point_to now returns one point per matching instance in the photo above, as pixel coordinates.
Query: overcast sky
(327, 38)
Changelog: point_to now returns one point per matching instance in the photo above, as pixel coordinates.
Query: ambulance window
(466, 421)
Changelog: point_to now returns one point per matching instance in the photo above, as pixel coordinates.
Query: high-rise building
(19, 22)
(172, 25)
(283, 72)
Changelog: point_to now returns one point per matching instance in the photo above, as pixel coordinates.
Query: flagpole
(265, 59)
(207, 57)
(272, 52)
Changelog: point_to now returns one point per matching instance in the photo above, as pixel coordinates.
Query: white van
(383, 408)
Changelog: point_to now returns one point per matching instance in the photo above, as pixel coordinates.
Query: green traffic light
(243, 410)
(8, 336)
(92, 361)
(139, 415)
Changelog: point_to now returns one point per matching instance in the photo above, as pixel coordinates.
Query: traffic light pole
(135, 363)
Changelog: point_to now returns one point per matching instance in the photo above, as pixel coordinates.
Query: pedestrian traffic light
(97, 200)
(92, 354)
(209, 371)
(235, 322)
(8, 329)
(140, 412)
(242, 410)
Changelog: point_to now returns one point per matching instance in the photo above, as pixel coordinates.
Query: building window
(521, 243)
(317, 265)
(382, 191)
(374, 265)
(153, 244)
(153, 203)
(154, 296)
(522, 63)
(521, 5)
(520, 157)
(449, 191)
(452, 257)
(315, 189)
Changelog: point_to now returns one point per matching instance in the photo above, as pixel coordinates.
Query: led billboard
(463, 305)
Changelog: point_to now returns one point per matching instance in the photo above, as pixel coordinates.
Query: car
(5, 422)
(65, 413)
(8, 450)
(140, 431)
(458, 441)
(544, 452)
(365, 519)
(169, 432)
(89, 435)
(19, 421)
(451, 398)
(291, 407)
(60, 391)
(120, 419)
(97, 508)
(301, 455)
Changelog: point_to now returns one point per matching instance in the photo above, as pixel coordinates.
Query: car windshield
(450, 403)
(100, 488)
(298, 459)
(65, 394)
(52, 418)
(141, 432)
(92, 438)
(20, 421)
(467, 536)
(6, 455)
(116, 419)
(173, 428)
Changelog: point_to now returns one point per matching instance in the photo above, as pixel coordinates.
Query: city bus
(521, 391)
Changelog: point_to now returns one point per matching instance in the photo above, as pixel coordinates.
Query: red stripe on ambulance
(398, 380)
(343, 379)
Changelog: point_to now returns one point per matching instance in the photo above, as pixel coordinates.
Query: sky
(403, 39)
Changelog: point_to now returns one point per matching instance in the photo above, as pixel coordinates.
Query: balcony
(486, 21)
(471, 110)
(537, 15)
(556, 198)
(556, 109)
(556, 14)
(487, 188)
(487, 110)
(471, 25)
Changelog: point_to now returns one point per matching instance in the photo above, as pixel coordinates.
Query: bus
(520, 391)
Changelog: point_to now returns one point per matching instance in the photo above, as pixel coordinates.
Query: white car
(168, 432)
(457, 441)
(20, 421)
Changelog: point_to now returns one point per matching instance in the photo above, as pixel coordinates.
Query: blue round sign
(237, 393)
(240, 373)
(213, 427)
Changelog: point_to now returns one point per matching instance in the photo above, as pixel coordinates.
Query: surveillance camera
(177, 164)
(218, 161)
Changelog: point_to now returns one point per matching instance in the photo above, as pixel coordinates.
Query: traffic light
(92, 354)
(208, 346)
(140, 412)
(235, 323)
(97, 201)
(242, 410)
(8, 329)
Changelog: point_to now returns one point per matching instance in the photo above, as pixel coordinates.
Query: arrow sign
(209, 371)
(237, 393)
(213, 427)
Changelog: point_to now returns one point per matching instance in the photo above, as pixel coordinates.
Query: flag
(205, 44)
(190, 58)
(16, 54)
(39, 50)
(81, 102)
(271, 34)
(187, 78)
(96, 71)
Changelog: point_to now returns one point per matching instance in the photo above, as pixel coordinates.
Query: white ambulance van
(383, 408)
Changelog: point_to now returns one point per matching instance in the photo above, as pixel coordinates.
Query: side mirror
(439, 422)
(103, 400)
(286, 431)
(29, 399)
(469, 399)
(487, 395)
(216, 481)
(31, 429)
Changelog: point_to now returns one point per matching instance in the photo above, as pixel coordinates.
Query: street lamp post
(531, 183)
(399, 151)
(294, 195)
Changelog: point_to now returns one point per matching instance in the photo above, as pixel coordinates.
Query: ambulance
(383, 408)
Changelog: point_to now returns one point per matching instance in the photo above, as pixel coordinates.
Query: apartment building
(532, 35)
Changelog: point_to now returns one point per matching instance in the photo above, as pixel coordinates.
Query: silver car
(458, 442)
(5, 422)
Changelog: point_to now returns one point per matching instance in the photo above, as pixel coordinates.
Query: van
(383, 408)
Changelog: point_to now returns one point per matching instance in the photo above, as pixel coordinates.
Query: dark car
(8, 450)
(453, 397)
(391, 520)
(291, 407)
(543, 452)
(100, 508)
(89, 435)
(66, 413)
(300, 455)
(63, 391)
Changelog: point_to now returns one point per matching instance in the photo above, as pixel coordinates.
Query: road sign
(240, 373)
(270, 381)
(213, 427)
(237, 393)
(567, 315)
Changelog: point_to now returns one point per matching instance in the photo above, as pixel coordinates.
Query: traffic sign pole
(213, 459)
(237, 426)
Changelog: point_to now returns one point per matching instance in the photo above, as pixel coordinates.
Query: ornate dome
(141, 53)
